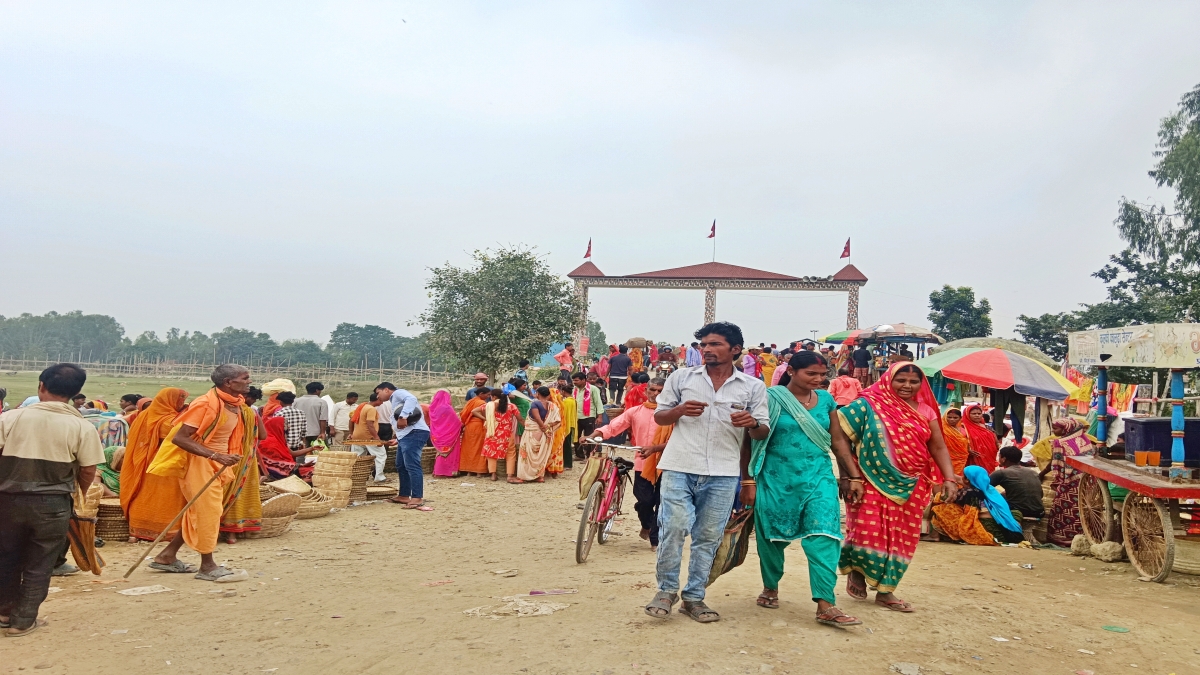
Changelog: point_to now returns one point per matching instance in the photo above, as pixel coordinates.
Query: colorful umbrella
(999, 369)
(999, 343)
(840, 337)
(884, 332)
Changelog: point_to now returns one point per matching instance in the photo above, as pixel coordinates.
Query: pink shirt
(750, 365)
(844, 389)
(564, 359)
(640, 422)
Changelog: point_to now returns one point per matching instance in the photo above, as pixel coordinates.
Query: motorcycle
(664, 369)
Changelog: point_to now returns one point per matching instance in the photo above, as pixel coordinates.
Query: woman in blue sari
(793, 492)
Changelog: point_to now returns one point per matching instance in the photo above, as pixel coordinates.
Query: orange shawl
(145, 435)
(650, 465)
(203, 414)
(956, 443)
(471, 458)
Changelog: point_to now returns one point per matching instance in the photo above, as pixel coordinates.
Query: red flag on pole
(713, 233)
(846, 251)
(589, 251)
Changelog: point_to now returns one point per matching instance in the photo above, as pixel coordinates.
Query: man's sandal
(836, 617)
(768, 601)
(660, 606)
(176, 567)
(699, 611)
(22, 632)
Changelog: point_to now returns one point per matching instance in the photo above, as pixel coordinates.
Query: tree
(1048, 332)
(508, 306)
(369, 344)
(955, 314)
(597, 340)
(238, 345)
(1150, 229)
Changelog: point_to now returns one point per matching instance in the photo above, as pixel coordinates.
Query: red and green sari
(891, 442)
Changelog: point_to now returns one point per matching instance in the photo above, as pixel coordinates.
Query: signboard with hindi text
(1160, 345)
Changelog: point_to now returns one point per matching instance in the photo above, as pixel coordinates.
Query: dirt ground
(355, 592)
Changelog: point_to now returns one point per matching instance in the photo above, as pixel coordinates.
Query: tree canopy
(1156, 279)
(507, 306)
(955, 314)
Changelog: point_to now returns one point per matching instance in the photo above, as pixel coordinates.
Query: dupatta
(779, 401)
(892, 437)
(983, 441)
(145, 436)
(445, 427)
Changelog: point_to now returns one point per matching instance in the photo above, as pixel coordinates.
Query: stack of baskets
(277, 513)
(110, 520)
(313, 504)
(333, 476)
(428, 457)
(380, 492)
(364, 470)
(389, 464)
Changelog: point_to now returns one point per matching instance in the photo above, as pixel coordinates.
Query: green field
(110, 389)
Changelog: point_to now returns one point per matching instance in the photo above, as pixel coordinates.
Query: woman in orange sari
(471, 459)
(149, 507)
(956, 440)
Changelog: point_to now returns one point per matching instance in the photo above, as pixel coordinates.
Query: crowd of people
(753, 428)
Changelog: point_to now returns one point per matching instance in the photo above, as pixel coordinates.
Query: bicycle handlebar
(586, 441)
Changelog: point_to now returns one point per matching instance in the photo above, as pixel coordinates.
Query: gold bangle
(749, 482)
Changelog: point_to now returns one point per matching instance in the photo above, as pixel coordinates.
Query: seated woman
(960, 519)
(109, 472)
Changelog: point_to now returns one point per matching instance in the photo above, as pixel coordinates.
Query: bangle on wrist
(749, 482)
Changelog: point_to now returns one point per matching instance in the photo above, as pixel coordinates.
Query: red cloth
(635, 396)
(983, 445)
(274, 458)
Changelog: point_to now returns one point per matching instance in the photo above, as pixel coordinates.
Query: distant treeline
(76, 336)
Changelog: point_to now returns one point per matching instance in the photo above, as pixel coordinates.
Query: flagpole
(714, 246)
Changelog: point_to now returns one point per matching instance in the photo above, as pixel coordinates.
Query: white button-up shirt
(709, 445)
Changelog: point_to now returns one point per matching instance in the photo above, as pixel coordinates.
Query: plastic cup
(1153, 457)
(1139, 457)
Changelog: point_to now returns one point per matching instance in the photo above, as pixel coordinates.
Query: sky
(286, 167)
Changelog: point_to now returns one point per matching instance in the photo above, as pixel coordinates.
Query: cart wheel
(587, 524)
(1149, 538)
(1096, 513)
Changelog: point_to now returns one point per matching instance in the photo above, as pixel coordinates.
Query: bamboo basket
(333, 476)
(110, 520)
(265, 492)
(278, 512)
(428, 457)
(293, 484)
(381, 492)
(87, 506)
(314, 505)
(1187, 555)
(364, 470)
(389, 464)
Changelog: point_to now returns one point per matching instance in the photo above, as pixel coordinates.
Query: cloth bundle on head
(996, 504)
(272, 390)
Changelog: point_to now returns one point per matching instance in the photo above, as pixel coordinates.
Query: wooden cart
(1149, 522)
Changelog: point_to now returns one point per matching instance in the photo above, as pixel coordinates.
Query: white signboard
(1161, 345)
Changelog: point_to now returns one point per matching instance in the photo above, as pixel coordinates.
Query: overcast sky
(286, 167)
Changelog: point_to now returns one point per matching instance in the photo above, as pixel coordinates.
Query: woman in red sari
(896, 432)
(275, 460)
(982, 439)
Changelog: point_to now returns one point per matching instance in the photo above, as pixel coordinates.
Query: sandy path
(367, 566)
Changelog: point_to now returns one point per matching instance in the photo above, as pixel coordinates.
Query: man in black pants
(1003, 399)
(46, 449)
(618, 373)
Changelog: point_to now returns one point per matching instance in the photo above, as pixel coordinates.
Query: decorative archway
(714, 276)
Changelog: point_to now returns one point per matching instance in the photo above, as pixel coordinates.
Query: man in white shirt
(712, 407)
(316, 414)
(412, 433)
(340, 419)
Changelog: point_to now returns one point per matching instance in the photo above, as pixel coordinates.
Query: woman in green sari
(792, 489)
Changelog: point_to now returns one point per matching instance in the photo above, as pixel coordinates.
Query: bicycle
(604, 498)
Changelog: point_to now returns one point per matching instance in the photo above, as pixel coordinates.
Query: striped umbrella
(999, 369)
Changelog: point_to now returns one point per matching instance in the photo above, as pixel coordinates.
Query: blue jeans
(408, 463)
(699, 506)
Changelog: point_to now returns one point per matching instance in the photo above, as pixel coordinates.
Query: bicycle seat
(624, 466)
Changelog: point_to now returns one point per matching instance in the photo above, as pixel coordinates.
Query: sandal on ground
(4, 622)
(514, 480)
(836, 617)
(699, 611)
(768, 601)
(495, 477)
(660, 606)
(214, 575)
(177, 567)
(414, 505)
(896, 605)
(859, 592)
(22, 632)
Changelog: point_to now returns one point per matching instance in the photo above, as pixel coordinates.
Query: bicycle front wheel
(587, 523)
(604, 532)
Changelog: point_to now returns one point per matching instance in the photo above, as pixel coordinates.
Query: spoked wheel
(588, 524)
(1149, 538)
(604, 535)
(1096, 512)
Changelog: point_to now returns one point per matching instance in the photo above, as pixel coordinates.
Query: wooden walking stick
(162, 534)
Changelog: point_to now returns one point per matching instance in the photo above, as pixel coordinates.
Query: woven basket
(271, 527)
(428, 457)
(332, 476)
(110, 520)
(90, 504)
(364, 470)
(1187, 555)
(379, 492)
(293, 484)
(281, 506)
(314, 505)
(389, 464)
(265, 492)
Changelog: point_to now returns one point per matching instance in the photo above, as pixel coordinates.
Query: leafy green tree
(955, 314)
(238, 345)
(597, 340)
(71, 336)
(369, 344)
(505, 307)
(1152, 230)
(300, 351)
